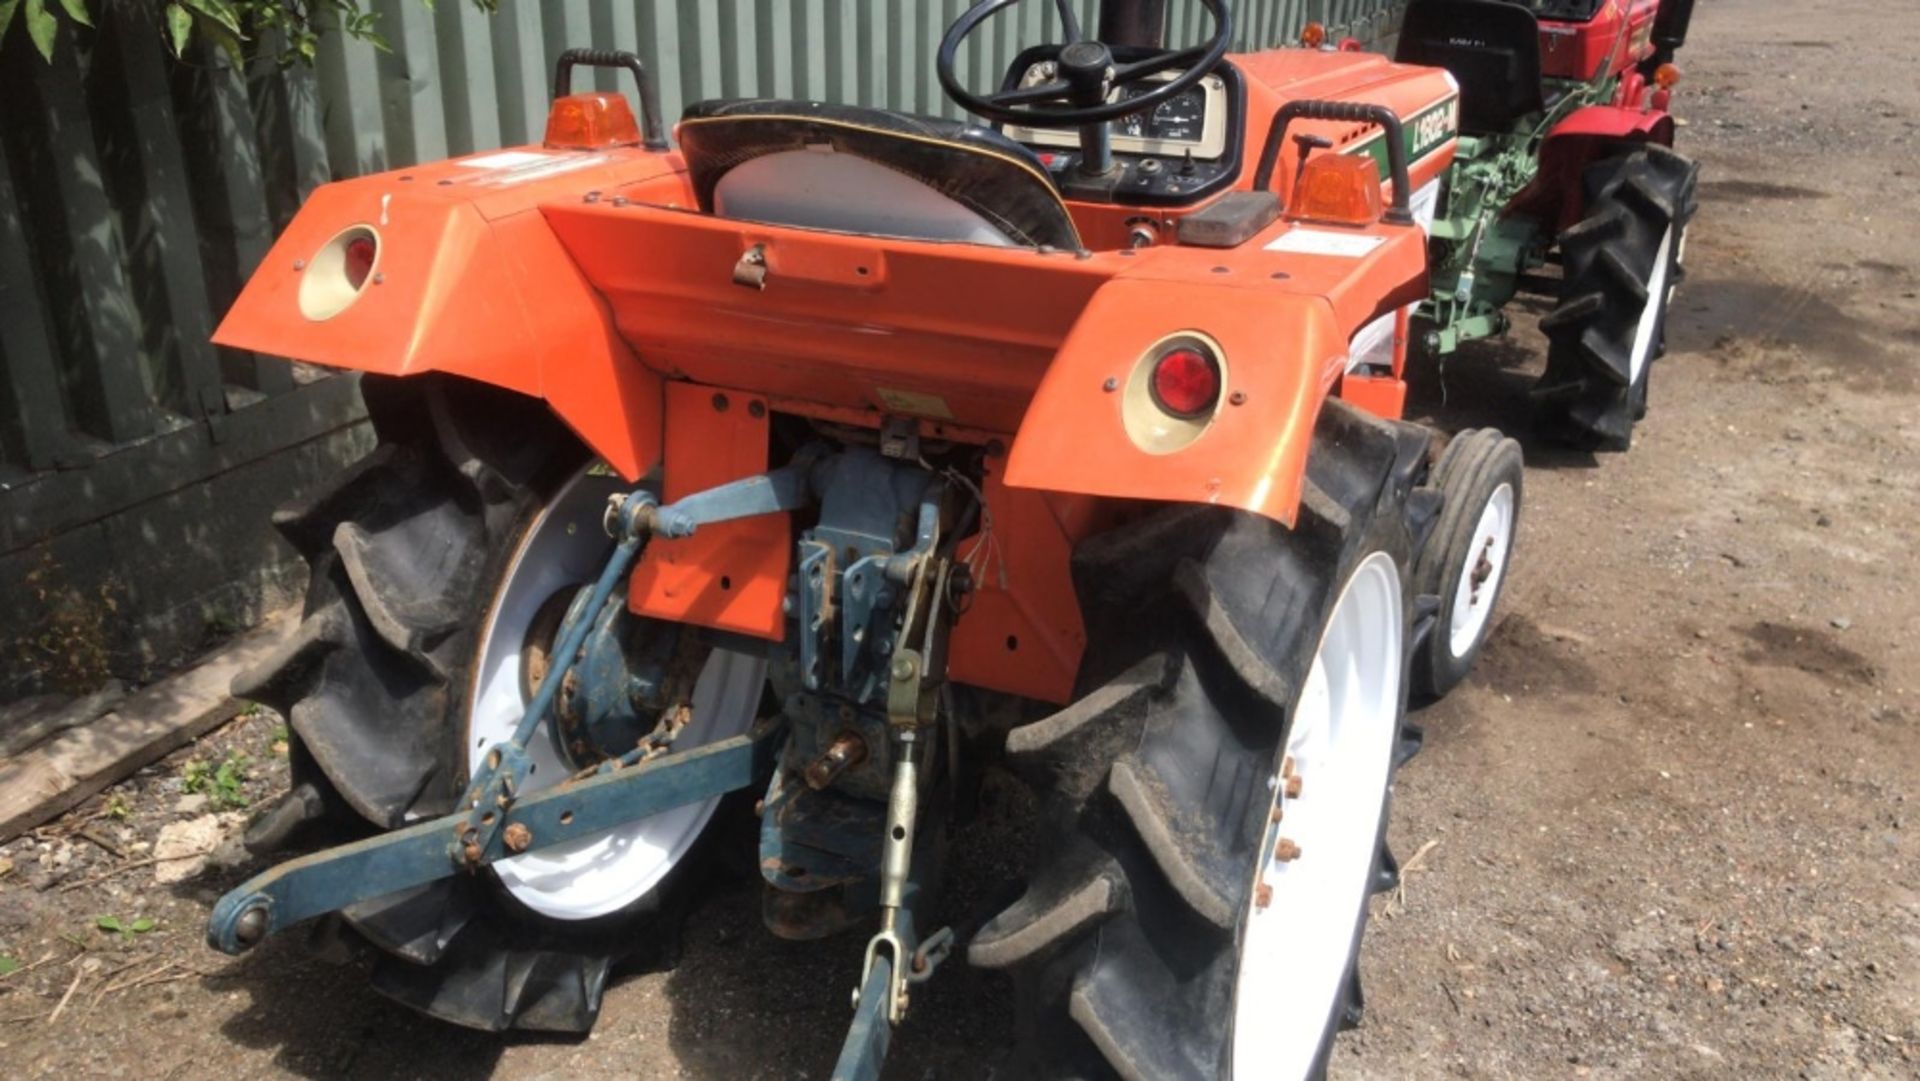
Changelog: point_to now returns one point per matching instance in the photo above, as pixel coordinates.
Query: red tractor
(1564, 160)
(824, 457)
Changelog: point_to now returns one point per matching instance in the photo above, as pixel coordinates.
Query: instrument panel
(1191, 124)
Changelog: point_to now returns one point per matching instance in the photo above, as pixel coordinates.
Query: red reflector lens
(1186, 382)
(357, 261)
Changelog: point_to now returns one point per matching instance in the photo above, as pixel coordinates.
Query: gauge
(1193, 122)
(1180, 119)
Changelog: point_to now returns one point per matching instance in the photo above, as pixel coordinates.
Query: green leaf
(8, 966)
(228, 42)
(141, 926)
(110, 923)
(179, 25)
(217, 10)
(41, 27)
(77, 11)
(7, 8)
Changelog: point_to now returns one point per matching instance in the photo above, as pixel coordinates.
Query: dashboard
(1194, 121)
(1183, 148)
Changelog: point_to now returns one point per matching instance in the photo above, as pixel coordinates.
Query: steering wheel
(1084, 73)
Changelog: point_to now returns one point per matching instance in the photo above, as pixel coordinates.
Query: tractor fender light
(333, 278)
(1174, 392)
(357, 259)
(591, 121)
(1666, 76)
(1313, 35)
(1185, 382)
(1341, 189)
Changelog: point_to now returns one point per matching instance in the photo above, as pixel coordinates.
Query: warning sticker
(1299, 241)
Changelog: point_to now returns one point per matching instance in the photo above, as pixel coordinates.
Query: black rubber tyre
(1475, 466)
(407, 548)
(1124, 946)
(1601, 352)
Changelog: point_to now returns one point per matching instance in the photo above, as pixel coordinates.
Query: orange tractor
(825, 457)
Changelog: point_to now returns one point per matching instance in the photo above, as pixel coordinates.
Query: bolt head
(1286, 851)
(902, 669)
(251, 927)
(517, 837)
(1293, 787)
(1262, 896)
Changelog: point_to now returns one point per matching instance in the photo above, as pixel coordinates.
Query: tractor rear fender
(1587, 135)
(469, 280)
(1282, 353)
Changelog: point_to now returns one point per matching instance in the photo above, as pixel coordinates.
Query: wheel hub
(1487, 553)
(1311, 886)
(563, 547)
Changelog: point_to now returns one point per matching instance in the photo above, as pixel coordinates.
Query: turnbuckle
(896, 858)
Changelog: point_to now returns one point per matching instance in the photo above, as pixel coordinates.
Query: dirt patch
(1798, 332)
(1740, 190)
(1809, 650)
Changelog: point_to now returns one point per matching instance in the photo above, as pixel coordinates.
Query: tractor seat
(1491, 48)
(870, 172)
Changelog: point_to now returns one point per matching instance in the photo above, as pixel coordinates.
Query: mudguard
(1283, 335)
(469, 280)
(1586, 135)
(1612, 122)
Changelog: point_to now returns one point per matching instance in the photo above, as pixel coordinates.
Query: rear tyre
(1162, 933)
(1464, 568)
(1620, 265)
(431, 559)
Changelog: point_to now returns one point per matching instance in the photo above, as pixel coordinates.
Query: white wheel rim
(1643, 335)
(1483, 566)
(1294, 951)
(597, 875)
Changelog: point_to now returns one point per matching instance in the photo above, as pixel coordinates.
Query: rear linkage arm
(492, 823)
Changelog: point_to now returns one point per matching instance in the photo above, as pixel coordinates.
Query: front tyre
(1220, 790)
(1479, 477)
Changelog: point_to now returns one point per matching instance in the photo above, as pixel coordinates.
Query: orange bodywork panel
(1282, 319)
(1022, 632)
(589, 279)
(470, 281)
(733, 575)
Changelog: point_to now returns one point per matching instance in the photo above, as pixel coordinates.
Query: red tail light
(357, 260)
(1186, 382)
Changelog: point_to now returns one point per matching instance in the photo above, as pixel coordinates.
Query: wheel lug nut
(1286, 851)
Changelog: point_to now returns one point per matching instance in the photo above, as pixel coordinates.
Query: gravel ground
(1666, 829)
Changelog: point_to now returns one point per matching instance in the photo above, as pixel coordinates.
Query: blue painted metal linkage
(866, 1047)
(327, 881)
